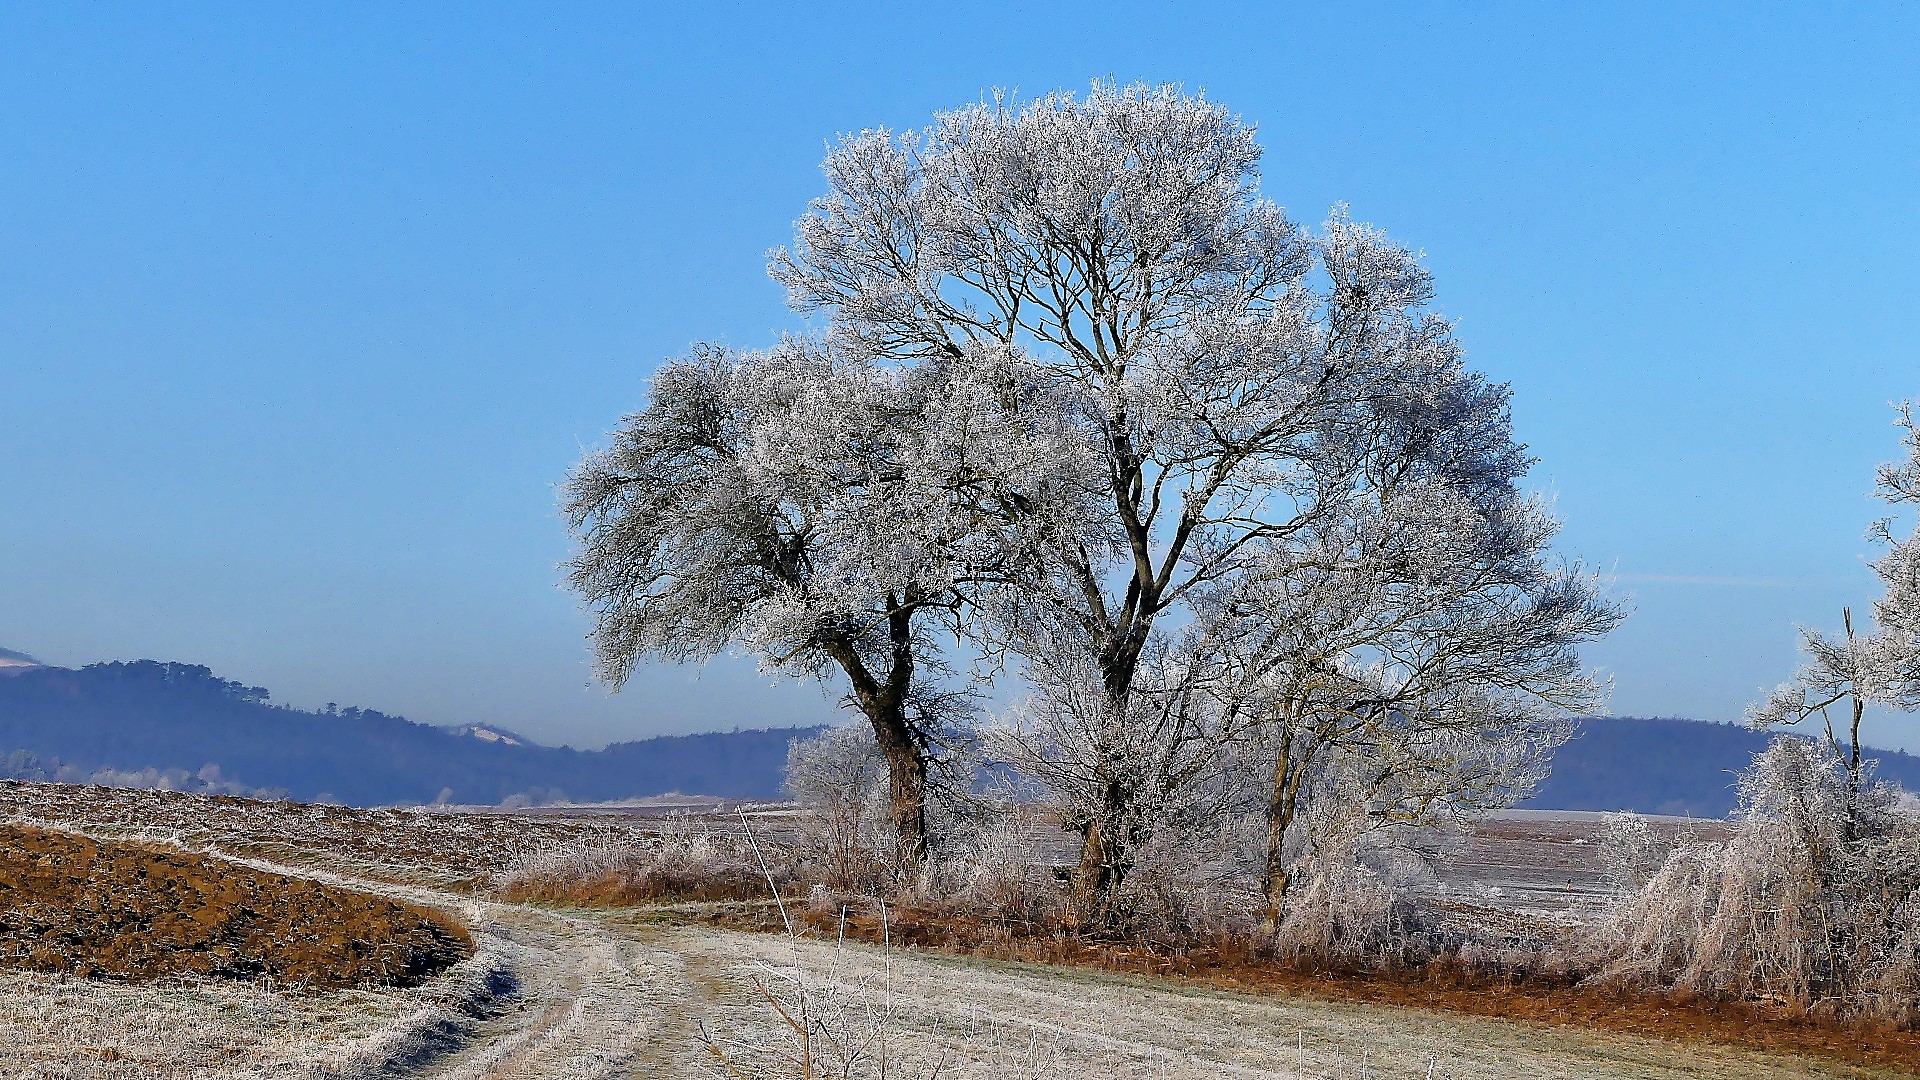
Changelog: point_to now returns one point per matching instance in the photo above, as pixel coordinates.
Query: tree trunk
(1106, 850)
(883, 701)
(1105, 858)
(906, 784)
(1282, 805)
(1090, 878)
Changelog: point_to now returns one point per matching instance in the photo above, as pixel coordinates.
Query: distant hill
(1668, 766)
(148, 724)
(155, 724)
(12, 663)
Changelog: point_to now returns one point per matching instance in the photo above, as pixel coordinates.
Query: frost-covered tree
(840, 778)
(1862, 669)
(777, 502)
(1228, 380)
(1814, 900)
(1413, 648)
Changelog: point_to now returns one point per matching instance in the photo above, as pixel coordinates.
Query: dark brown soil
(75, 905)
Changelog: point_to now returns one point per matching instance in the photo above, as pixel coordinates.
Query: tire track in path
(567, 997)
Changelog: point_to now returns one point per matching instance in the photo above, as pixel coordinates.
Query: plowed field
(82, 906)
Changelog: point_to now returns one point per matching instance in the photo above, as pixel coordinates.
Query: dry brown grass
(625, 876)
(683, 860)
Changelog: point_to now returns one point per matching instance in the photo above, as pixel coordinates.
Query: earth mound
(79, 906)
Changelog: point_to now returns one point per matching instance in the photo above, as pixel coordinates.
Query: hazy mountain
(1668, 766)
(148, 723)
(12, 663)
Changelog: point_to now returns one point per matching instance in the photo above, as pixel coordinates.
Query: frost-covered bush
(1346, 896)
(988, 870)
(839, 778)
(1191, 884)
(686, 860)
(1338, 909)
(1630, 851)
(1814, 901)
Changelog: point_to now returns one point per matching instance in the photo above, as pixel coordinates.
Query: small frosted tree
(840, 778)
(1864, 668)
(1419, 646)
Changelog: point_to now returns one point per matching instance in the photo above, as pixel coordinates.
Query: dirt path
(574, 997)
(582, 1003)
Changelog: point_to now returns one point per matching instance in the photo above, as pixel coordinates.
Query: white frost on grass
(976, 1021)
(545, 997)
(61, 1028)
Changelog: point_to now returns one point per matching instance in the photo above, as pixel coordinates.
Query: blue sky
(303, 313)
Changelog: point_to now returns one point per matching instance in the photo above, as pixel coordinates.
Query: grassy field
(985, 1019)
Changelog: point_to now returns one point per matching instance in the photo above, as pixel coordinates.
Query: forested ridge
(1668, 765)
(147, 723)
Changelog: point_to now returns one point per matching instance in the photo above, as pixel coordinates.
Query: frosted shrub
(1337, 909)
(1193, 878)
(572, 862)
(1345, 901)
(839, 779)
(1814, 902)
(988, 870)
(686, 860)
(1629, 849)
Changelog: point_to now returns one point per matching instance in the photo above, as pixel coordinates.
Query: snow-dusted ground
(583, 996)
(586, 996)
(1003, 1021)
